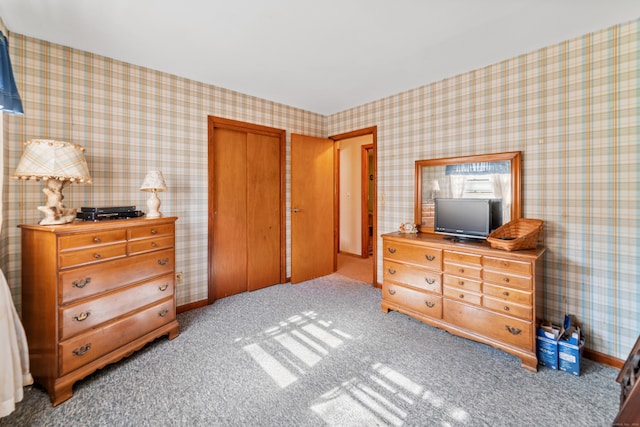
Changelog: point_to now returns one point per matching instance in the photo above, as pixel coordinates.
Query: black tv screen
(467, 218)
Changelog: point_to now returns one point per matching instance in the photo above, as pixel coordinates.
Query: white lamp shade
(44, 159)
(154, 181)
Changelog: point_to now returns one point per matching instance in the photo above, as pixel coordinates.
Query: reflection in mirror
(495, 176)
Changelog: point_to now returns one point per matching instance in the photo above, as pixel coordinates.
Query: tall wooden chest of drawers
(94, 292)
(467, 289)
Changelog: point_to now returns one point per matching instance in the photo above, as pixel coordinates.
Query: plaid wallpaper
(130, 120)
(573, 109)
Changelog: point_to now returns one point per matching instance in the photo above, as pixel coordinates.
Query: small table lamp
(58, 163)
(153, 182)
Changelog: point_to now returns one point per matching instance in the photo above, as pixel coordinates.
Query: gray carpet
(322, 353)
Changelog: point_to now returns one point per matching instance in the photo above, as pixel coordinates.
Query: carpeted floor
(322, 353)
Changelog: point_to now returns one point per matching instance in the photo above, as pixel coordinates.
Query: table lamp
(57, 163)
(153, 182)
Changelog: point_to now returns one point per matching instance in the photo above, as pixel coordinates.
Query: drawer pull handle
(430, 304)
(430, 257)
(505, 293)
(97, 256)
(392, 250)
(154, 245)
(163, 287)
(505, 280)
(461, 282)
(153, 231)
(82, 316)
(96, 240)
(392, 291)
(163, 261)
(391, 270)
(81, 283)
(81, 350)
(461, 270)
(163, 313)
(506, 308)
(430, 280)
(512, 330)
(461, 296)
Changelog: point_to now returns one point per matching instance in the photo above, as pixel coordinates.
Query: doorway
(357, 204)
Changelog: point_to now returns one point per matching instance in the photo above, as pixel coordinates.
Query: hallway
(355, 267)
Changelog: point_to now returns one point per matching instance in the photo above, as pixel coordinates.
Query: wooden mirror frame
(515, 159)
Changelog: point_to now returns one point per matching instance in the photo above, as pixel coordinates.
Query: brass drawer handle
(96, 240)
(163, 261)
(430, 280)
(163, 313)
(506, 308)
(97, 256)
(392, 250)
(461, 296)
(82, 316)
(430, 257)
(153, 231)
(505, 293)
(81, 283)
(81, 350)
(430, 304)
(154, 245)
(391, 270)
(163, 287)
(505, 280)
(512, 330)
(460, 282)
(392, 292)
(461, 270)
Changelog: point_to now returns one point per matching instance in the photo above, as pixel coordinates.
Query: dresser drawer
(85, 348)
(423, 256)
(94, 254)
(510, 265)
(508, 294)
(421, 302)
(86, 281)
(152, 244)
(462, 295)
(463, 283)
(150, 231)
(463, 258)
(506, 329)
(85, 315)
(522, 311)
(428, 280)
(507, 280)
(80, 240)
(473, 272)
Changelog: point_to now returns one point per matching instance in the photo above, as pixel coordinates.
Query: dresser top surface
(79, 225)
(481, 246)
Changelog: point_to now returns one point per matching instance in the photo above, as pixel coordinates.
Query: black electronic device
(467, 217)
(116, 212)
(109, 209)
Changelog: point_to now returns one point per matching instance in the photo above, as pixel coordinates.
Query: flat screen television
(467, 218)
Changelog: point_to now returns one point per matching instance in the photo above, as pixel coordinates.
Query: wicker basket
(521, 233)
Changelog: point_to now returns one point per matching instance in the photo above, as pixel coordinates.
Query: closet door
(246, 204)
(230, 213)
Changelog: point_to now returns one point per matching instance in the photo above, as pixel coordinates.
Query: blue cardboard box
(547, 345)
(570, 348)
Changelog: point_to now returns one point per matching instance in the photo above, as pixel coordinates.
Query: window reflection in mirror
(491, 176)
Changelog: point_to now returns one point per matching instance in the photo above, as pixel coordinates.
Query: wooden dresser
(466, 288)
(94, 292)
(629, 379)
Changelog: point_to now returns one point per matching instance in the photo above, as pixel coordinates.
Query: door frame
(364, 200)
(214, 123)
(373, 131)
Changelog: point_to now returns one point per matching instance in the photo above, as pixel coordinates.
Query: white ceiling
(324, 56)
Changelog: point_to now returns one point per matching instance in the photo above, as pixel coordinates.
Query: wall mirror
(486, 176)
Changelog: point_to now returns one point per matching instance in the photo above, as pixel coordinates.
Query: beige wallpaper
(571, 108)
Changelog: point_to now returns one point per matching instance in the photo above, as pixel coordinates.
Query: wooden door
(230, 212)
(313, 251)
(246, 207)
